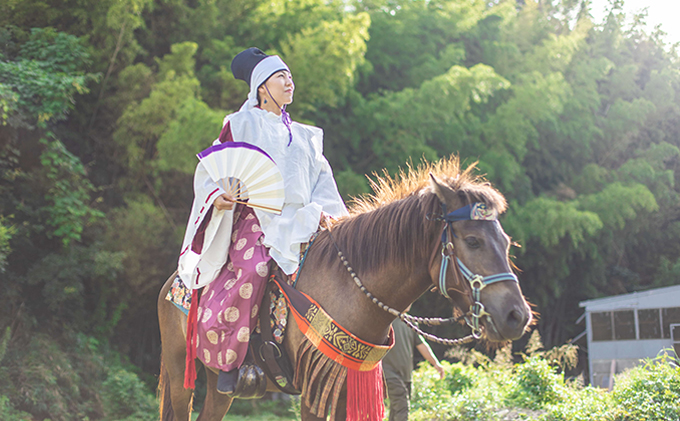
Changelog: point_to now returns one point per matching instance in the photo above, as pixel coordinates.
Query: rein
(477, 211)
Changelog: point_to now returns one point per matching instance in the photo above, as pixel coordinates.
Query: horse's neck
(396, 285)
(389, 249)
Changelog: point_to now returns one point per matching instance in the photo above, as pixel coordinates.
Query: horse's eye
(472, 242)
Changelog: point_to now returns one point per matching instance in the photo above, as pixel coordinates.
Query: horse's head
(476, 273)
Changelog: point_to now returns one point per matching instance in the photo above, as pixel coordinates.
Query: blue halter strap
(478, 212)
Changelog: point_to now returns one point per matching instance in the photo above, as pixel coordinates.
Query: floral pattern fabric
(180, 295)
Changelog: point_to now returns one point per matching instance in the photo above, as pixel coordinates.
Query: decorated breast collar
(333, 340)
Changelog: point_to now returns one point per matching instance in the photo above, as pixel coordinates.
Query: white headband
(261, 73)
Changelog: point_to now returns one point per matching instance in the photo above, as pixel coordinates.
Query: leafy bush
(649, 392)
(582, 404)
(534, 384)
(430, 398)
(73, 378)
(458, 376)
(125, 397)
(465, 394)
(486, 389)
(7, 413)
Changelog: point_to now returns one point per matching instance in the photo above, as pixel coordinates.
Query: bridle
(476, 211)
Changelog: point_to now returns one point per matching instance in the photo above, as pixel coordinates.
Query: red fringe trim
(365, 395)
(192, 336)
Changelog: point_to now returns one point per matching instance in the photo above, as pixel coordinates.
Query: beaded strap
(410, 321)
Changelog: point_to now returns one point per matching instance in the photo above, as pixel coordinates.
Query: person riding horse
(227, 246)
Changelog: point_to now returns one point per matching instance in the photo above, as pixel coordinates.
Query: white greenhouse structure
(624, 329)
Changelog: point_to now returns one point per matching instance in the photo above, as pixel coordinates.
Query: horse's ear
(438, 188)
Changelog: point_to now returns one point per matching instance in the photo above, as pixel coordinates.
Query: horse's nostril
(516, 319)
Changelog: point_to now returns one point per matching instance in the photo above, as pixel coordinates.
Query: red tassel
(192, 336)
(365, 395)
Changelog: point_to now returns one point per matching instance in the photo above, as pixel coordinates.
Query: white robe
(310, 189)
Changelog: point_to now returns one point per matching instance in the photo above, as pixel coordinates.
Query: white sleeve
(325, 191)
(199, 269)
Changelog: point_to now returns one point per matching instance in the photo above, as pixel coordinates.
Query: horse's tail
(164, 401)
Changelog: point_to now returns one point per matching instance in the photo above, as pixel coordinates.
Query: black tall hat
(243, 64)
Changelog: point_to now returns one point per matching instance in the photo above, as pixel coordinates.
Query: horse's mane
(400, 212)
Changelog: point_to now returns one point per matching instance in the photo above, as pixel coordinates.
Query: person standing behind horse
(227, 246)
(398, 367)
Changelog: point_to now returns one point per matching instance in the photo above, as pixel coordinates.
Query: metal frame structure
(607, 357)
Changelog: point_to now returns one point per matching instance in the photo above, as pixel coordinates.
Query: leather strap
(271, 357)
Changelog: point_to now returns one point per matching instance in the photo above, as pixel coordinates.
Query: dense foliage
(103, 104)
(495, 389)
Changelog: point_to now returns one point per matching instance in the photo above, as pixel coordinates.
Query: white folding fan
(245, 172)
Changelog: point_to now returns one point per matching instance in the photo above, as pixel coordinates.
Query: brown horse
(393, 242)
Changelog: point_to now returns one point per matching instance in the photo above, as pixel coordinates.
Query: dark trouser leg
(399, 392)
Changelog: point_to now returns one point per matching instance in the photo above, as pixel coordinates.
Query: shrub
(74, 378)
(649, 392)
(430, 400)
(281, 408)
(465, 394)
(582, 404)
(46, 381)
(7, 413)
(535, 384)
(125, 397)
(458, 377)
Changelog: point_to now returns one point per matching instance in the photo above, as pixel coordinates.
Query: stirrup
(251, 383)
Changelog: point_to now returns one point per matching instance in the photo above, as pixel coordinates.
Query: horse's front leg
(216, 405)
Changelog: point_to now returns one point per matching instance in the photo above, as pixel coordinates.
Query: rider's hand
(224, 202)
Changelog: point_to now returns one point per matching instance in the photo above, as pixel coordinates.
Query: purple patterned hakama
(229, 305)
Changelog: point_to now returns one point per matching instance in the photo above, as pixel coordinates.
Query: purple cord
(285, 117)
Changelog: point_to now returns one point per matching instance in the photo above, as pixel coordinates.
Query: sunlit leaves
(549, 221)
(414, 41)
(434, 120)
(142, 123)
(536, 99)
(126, 14)
(180, 61)
(323, 59)
(193, 129)
(8, 98)
(618, 203)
